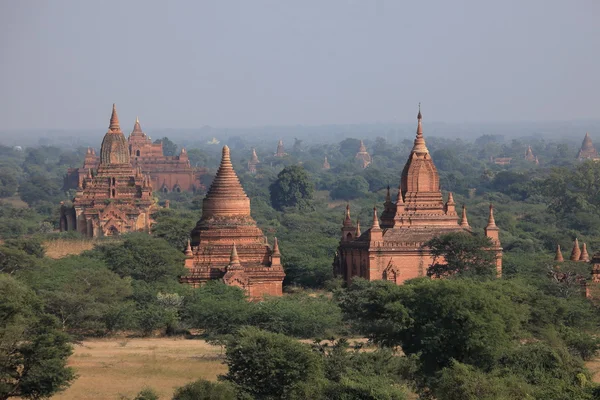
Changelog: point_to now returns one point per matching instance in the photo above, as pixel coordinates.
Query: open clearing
(119, 367)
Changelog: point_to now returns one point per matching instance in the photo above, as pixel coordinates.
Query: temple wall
(259, 289)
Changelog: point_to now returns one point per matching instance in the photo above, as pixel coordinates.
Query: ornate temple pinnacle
(463, 219)
(114, 120)
(491, 220)
(375, 220)
(558, 257)
(419, 146)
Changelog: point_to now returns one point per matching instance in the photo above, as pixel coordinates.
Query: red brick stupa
(280, 149)
(114, 200)
(393, 249)
(363, 156)
(253, 163)
(226, 243)
(587, 151)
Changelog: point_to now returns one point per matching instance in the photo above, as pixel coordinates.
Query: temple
(167, 173)
(280, 149)
(116, 197)
(326, 164)
(529, 156)
(363, 156)
(253, 163)
(590, 285)
(394, 249)
(587, 151)
(226, 244)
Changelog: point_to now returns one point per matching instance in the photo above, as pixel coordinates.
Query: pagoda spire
(419, 144)
(137, 128)
(114, 120)
(347, 219)
(188, 249)
(357, 234)
(463, 219)
(584, 254)
(375, 220)
(388, 196)
(276, 247)
(234, 259)
(558, 257)
(491, 221)
(575, 253)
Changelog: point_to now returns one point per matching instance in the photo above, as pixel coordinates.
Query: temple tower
(363, 156)
(117, 198)
(326, 165)
(226, 220)
(280, 149)
(393, 249)
(587, 151)
(253, 163)
(529, 155)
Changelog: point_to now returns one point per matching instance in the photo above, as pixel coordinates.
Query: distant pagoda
(363, 156)
(117, 198)
(326, 165)
(253, 163)
(587, 151)
(280, 149)
(227, 244)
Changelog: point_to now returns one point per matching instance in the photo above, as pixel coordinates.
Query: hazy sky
(185, 64)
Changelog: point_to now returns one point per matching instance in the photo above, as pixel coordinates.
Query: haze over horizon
(189, 64)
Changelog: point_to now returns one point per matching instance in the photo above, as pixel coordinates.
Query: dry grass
(111, 368)
(15, 201)
(60, 248)
(594, 367)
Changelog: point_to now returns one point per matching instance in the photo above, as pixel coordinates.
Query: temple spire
(276, 247)
(419, 144)
(234, 259)
(137, 128)
(347, 219)
(375, 220)
(558, 257)
(388, 196)
(575, 253)
(491, 220)
(188, 249)
(463, 219)
(357, 234)
(114, 120)
(584, 254)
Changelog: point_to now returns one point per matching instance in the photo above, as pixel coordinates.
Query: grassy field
(60, 248)
(120, 368)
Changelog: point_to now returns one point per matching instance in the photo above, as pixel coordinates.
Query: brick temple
(113, 198)
(363, 156)
(394, 249)
(167, 173)
(253, 163)
(227, 244)
(587, 150)
(280, 150)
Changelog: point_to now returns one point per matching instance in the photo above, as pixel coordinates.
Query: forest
(526, 335)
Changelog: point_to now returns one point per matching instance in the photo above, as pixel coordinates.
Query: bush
(206, 390)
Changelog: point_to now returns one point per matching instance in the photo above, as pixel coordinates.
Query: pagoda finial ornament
(575, 253)
(347, 219)
(558, 257)
(375, 220)
(114, 119)
(276, 251)
(188, 249)
(419, 146)
(584, 254)
(234, 259)
(491, 220)
(357, 234)
(463, 219)
(388, 196)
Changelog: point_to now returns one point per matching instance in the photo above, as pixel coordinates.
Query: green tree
(293, 188)
(271, 366)
(33, 351)
(169, 148)
(349, 147)
(142, 257)
(349, 188)
(173, 228)
(461, 254)
(8, 182)
(206, 390)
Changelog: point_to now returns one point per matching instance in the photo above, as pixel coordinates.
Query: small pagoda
(588, 151)
(227, 244)
(326, 164)
(363, 156)
(394, 249)
(280, 150)
(253, 163)
(116, 198)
